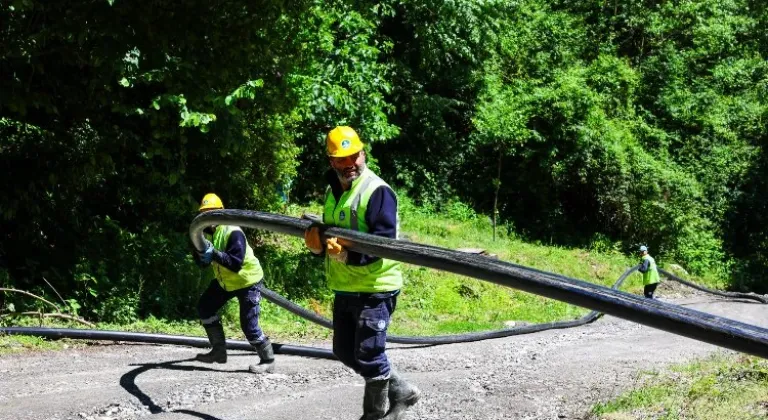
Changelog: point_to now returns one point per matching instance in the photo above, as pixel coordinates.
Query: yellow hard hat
(211, 201)
(343, 141)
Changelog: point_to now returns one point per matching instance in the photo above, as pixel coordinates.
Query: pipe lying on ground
(57, 333)
(675, 319)
(452, 338)
(179, 340)
(732, 295)
(327, 354)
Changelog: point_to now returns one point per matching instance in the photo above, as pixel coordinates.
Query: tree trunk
(496, 195)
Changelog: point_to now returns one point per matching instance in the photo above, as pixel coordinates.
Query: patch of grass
(18, 343)
(435, 302)
(719, 387)
(278, 323)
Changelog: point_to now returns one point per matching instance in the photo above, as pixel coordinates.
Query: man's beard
(349, 179)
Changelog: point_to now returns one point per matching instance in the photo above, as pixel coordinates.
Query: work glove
(206, 257)
(336, 250)
(312, 240)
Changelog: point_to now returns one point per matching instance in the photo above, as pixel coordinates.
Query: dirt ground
(556, 374)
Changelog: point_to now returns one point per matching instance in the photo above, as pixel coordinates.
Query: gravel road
(551, 375)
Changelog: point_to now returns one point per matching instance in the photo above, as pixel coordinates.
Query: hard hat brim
(210, 208)
(345, 152)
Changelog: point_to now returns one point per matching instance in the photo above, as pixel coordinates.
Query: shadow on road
(196, 414)
(128, 382)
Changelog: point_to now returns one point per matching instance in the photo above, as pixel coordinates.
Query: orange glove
(335, 250)
(312, 240)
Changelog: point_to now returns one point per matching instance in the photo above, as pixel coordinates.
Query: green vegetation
(582, 125)
(720, 387)
(16, 344)
(586, 128)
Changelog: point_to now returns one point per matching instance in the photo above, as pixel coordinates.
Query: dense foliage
(592, 123)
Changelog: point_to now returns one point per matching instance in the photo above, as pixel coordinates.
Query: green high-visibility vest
(652, 275)
(251, 272)
(348, 212)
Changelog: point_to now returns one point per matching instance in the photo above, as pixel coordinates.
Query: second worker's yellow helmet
(211, 201)
(343, 141)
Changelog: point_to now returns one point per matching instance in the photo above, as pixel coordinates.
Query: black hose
(453, 338)
(288, 305)
(180, 340)
(733, 295)
(327, 354)
(486, 335)
(57, 333)
(673, 318)
(292, 307)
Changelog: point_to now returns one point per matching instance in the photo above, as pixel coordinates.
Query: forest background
(588, 124)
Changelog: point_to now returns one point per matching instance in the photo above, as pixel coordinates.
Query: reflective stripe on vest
(354, 223)
(250, 273)
(382, 275)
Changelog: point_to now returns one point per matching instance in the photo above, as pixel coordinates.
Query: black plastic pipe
(452, 338)
(57, 333)
(292, 307)
(179, 340)
(673, 318)
(732, 295)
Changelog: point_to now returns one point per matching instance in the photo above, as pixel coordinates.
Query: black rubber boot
(402, 395)
(218, 353)
(375, 399)
(267, 356)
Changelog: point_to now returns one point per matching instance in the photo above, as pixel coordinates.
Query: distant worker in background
(237, 273)
(365, 286)
(650, 273)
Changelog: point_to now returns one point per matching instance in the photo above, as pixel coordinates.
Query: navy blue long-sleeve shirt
(380, 216)
(233, 256)
(644, 266)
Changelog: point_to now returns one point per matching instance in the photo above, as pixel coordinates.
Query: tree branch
(55, 291)
(3, 289)
(49, 315)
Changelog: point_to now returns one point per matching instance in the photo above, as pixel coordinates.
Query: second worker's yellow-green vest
(652, 275)
(379, 276)
(251, 272)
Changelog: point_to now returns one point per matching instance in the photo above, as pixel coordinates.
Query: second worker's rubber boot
(218, 353)
(375, 399)
(267, 356)
(402, 395)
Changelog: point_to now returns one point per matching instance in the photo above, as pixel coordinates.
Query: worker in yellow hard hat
(236, 273)
(365, 286)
